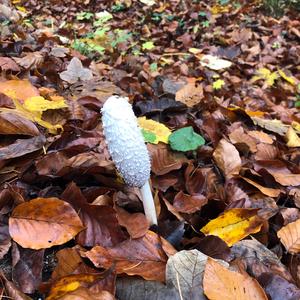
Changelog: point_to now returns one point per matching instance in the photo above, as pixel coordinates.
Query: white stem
(148, 203)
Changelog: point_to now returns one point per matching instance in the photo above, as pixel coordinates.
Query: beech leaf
(290, 237)
(234, 224)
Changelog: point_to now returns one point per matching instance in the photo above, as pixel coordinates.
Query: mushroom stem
(148, 203)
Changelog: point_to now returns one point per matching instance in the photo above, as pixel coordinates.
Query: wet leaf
(218, 280)
(43, 223)
(159, 132)
(234, 224)
(290, 237)
(185, 139)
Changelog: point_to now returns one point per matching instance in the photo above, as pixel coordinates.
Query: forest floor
(216, 89)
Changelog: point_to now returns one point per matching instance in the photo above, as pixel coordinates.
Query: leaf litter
(215, 86)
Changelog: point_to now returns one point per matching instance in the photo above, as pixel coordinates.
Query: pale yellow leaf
(292, 138)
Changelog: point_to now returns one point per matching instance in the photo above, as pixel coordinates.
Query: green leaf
(149, 137)
(297, 104)
(148, 46)
(218, 84)
(185, 139)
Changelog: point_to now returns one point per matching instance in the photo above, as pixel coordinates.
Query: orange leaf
(286, 179)
(43, 223)
(227, 158)
(266, 191)
(190, 94)
(221, 283)
(234, 224)
(146, 256)
(290, 237)
(18, 89)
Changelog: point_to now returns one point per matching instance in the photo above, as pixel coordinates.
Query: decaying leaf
(290, 237)
(43, 223)
(218, 282)
(234, 225)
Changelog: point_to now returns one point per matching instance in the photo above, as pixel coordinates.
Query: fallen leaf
(185, 139)
(75, 72)
(266, 191)
(234, 224)
(22, 147)
(16, 124)
(185, 272)
(266, 75)
(30, 60)
(39, 104)
(43, 223)
(146, 256)
(70, 283)
(289, 79)
(27, 268)
(227, 158)
(259, 259)
(272, 125)
(188, 204)
(190, 94)
(18, 89)
(218, 280)
(160, 131)
(217, 85)
(286, 179)
(148, 2)
(261, 136)
(290, 237)
(214, 63)
(292, 138)
(82, 293)
(7, 64)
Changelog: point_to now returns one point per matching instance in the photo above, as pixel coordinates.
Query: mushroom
(128, 150)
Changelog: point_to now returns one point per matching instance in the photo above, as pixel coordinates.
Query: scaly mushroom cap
(125, 141)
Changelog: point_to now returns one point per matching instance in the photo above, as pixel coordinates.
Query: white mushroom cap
(125, 141)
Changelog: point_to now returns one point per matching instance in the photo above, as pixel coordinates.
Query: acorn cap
(125, 141)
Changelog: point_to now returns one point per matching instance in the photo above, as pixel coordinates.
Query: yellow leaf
(292, 138)
(290, 80)
(266, 75)
(296, 126)
(40, 104)
(218, 84)
(159, 130)
(217, 9)
(234, 224)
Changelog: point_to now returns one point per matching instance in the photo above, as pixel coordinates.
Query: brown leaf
(188, 204)
(68, 259)
(85, 294)
(261, 136)
(27, 268)
(100, 221)
(16, 124)
(259, 259)
(238, 136)
(266, 152)
(146, 257)
(190, 94)
(30, 60)
(136, 224)
(266, 191)
(12, 291)
(227, 159)
(22, 147)
(290, 237)
(163, 160)
(43, 223)
(218, 280)
(286, 179)
(7, 64)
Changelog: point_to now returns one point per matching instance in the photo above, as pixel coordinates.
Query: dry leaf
(190, 94)
(43, 223)
(266, 191)
(221, 283)
(290, 237)
(214, 63)
(227, 158)
(292, 138)
(234, 224)
(145, 256)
